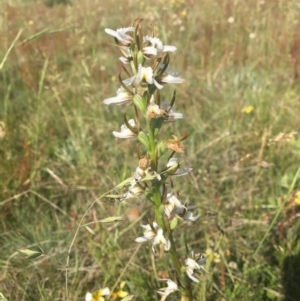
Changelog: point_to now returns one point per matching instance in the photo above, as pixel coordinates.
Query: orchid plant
(145, 73)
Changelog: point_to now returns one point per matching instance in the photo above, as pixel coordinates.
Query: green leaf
(143, 138)
(140, 103)
(161, 149)
(140, 58)
(161, 209)
(113, 196)
(111, 219)
(156, 124)
(2, 298)
(124, 183)
(174, 223)
(30, 254)
(90, 230)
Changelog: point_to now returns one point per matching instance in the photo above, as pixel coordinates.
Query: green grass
(58, 155)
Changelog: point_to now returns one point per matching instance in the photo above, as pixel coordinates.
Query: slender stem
(174, 255)
(152, 145)
(156, 198)
(186, 280)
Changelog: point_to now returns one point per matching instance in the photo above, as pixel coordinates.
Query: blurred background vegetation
(241, 97)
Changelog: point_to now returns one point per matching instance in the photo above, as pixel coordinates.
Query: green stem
(156, 197)
(159, 216)
(176, 263)
(152, 145)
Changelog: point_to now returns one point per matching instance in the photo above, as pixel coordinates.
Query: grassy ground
(241, 62)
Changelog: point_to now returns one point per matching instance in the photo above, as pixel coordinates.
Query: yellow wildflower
(120, 293)
(297, 198)
(248, 109)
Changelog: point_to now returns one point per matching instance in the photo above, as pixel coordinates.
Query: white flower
(169, 79)
(172, 77)
(149, 234)
(178, 170)
(188, 216)
(121, 35)
(160, 239)
(156, 234)
(192, 264)
(172, 203)
(166, 291)
(88, 297)
(156, 47)
(133, 190)
(171, 115)
(125, 131)
(124, 60)
(139, 173)
(105, 291)
(144, 75)
(168, 70)
(153, 109)
(123, 97)
(127, 55)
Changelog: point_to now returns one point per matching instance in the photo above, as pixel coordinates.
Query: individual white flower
(168, 70)
(160, 239)
(195, 262)
(124, 60)
(178, 170)
(175, 206)
(156, 47)
(172, 77)
(181, 210)
(149, 234)
(144, 75)
(156, 234)
(105, 291)
(127, 55)
(123, 97)
(147, 173)
(88, 296)
(153, 109)
(121, 34)
(139, 173)
(191, 265)
(166, 291)
(188, 216)
(171, 115)
(133, 190)
(172, 203)
(125, 131)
